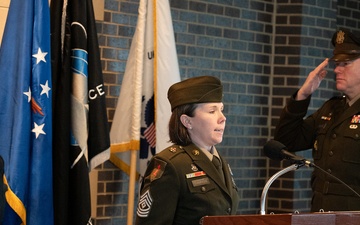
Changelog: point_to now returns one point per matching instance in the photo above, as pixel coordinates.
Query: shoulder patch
(158, 170)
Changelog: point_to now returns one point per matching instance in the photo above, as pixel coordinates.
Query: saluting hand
(313, 81)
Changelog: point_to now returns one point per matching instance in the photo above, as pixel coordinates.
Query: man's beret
(347, 46)
(200, 89)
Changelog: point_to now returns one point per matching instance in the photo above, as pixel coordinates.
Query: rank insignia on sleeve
(158, 170)
(144, 205)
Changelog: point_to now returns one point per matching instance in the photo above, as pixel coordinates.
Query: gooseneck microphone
(277, 151)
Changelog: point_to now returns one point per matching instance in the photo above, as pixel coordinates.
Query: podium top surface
(321, 218)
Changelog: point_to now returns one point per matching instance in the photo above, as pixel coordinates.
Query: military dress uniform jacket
(181, 185)
(333, 133)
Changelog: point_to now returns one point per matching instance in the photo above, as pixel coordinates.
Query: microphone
(277, 151)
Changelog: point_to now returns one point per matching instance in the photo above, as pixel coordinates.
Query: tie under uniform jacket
(333, 133)
(181, 185)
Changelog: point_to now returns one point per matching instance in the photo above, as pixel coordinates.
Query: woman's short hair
(178, 133)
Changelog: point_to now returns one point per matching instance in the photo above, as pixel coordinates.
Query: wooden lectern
(325, 218)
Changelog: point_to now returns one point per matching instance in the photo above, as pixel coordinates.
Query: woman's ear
(185, 120)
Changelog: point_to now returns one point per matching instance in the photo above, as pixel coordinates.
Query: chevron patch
(144, 205)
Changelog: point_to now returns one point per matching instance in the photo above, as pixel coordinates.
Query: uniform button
(331, 153)
(334, 136)
(203, 189)
(329, 170)
(357, 135)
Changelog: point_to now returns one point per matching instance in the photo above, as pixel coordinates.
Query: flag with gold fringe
(140, 125)
(26, 113)
(142, 114)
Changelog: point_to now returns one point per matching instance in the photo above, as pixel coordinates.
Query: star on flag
(40, 56)
(38, 129)
(45, 89)
(28, 93)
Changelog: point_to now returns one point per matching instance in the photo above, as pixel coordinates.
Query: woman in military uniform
(333, 131)
(181, 183)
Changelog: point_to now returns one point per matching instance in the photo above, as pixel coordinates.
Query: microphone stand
(271, 180)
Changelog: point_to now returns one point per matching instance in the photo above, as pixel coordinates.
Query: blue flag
(26, 113)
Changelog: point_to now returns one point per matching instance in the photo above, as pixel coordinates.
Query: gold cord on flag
(14, 202)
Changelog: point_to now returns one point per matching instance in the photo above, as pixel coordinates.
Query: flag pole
(131, 197)
(127, 135)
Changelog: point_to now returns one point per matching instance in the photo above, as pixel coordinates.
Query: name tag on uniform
(200, 182)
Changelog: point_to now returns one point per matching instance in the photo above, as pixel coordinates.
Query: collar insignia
(195, 152)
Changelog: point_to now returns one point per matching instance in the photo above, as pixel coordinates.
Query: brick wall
(302, 32)
(262, 51)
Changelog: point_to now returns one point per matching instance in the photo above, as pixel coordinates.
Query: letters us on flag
(143, 111)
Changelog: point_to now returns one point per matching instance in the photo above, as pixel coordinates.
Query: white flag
(143, 110)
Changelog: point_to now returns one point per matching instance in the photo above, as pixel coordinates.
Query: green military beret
(195, 90)
(347, 46)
